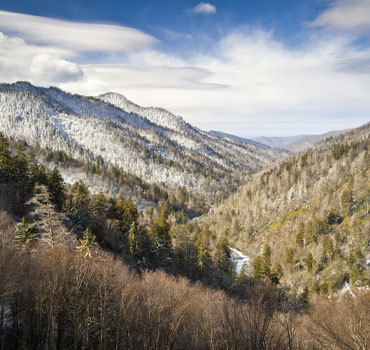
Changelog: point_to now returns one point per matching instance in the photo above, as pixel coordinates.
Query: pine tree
(138, 242)
(161, 238)
(258, 269)
(222, 255)
(203, 250)
(88, 246)
(24, 233)
(49, 223)
(7, 166)
(129, 214)
(276, 273)
(56, 188)
(79, 205)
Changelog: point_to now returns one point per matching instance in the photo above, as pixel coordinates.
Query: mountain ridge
(99, 130)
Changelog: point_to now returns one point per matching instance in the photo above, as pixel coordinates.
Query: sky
(245, 67)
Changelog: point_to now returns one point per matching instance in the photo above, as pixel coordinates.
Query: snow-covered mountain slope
(150, 143)
(158, 116)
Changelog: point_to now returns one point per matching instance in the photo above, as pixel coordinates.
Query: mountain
(296, 143)
(221, 134)
(305, 220)
(277, 142)
(308, 141)
(109, 132)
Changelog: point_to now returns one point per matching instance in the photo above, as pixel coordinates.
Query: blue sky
(245, 67)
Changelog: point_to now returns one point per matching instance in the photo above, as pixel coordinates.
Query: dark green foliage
(334, 218)
(128, 213)
(258, 269)
(222, 255)
(277, 273)
(7, 163)
(339, 150)
(202, 244)
(24, 234)
(160, 235)
(139, 244)
(56, 188)
(79, 202)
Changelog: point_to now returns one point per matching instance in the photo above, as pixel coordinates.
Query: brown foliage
(341, 323)
(55, 299)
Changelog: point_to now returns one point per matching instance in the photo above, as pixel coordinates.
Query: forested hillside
(112, 135)
(306, 220)
(59, 288)
(83, 265)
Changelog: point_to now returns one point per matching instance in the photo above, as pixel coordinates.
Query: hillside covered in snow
(149, 143)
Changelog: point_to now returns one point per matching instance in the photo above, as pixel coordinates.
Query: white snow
(151, 143)
(238, 260)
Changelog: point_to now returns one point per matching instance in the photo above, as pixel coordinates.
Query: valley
(137, 199)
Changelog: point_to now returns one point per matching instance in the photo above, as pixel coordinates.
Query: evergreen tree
(276, 273)
(138, 242)
(88, 245)
(258, 269)
(98, 214)
(79, 205)
(56, 188)
(161, 238)
(203, 250)
(24, 233)
(222, 255)
(129, 214)
(7, 166)
(266, 256)
(49, 223)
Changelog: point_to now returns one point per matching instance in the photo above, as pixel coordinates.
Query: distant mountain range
(234, 137)
(290, 143)
(278, 142)
(307, 141)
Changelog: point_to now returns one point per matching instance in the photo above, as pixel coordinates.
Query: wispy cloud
(76, 36)
(204, 8)
(345, 15)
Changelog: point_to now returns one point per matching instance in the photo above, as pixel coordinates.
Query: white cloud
(76, 36)
(49, 68)
(250, 84)
(345, 15)
(204, 8)
(38, 64)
